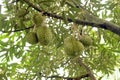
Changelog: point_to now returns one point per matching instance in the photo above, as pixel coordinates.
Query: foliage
(36, 61)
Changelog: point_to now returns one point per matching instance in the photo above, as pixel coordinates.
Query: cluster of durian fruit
(74, 47)
(41, 33)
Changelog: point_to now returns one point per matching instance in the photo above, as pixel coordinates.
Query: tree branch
(104, 24)
(87, 69)
(67, 78)
(17, 30)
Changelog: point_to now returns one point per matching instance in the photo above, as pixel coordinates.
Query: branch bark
(66, 78)
(90, 73)
(18, 30)
(104, 24)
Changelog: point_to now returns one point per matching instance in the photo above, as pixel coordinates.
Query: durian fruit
(72, 46)
(31, 38)
(44, 35)
(20, 24)
(86, 40)
(21, 12)
(38, 19)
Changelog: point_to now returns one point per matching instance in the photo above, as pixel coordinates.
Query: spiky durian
(21, 12)
(44, 35)
(38, 19)
(31, 38)
(86, 40)
(73, 47)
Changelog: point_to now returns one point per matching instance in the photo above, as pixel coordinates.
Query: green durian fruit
(38, 19)
(86, 40)
(31, 38)
(21, 12)
(44, 35)
(73, 47)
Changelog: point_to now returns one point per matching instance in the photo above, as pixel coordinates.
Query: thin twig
(92, 77)
(67, 78)
(17, 30)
